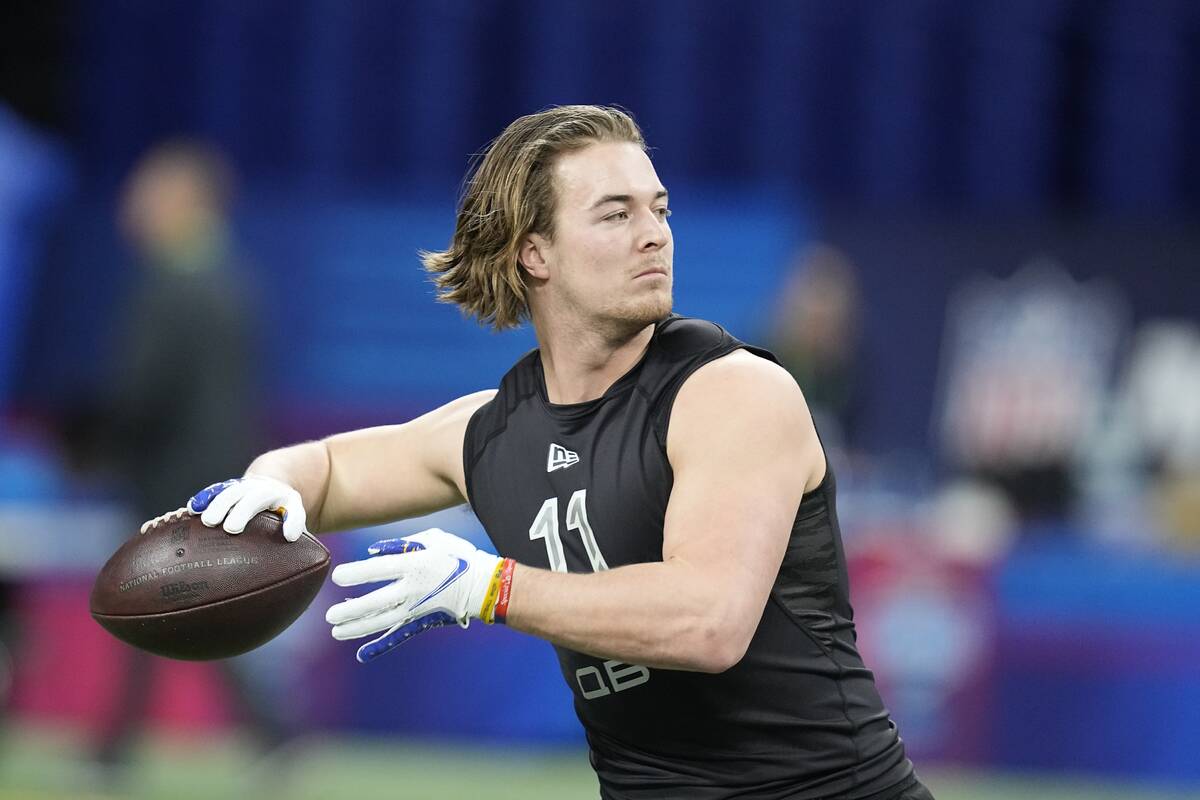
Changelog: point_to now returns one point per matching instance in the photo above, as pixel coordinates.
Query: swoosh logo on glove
(459, 569)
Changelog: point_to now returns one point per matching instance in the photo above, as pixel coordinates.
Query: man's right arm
(376, 475)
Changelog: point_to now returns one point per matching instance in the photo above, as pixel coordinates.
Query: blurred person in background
(815, 333)
(1143, 464)
(163, 427)
(698, 596)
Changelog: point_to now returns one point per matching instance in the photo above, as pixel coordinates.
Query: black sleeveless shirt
(584, 487)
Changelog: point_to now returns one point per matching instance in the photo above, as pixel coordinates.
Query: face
(161, 208)
(610, 261)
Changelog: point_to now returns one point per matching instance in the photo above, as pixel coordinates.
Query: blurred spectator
(181, 409)
(815, 333)
(182, 374)
(1144, 465)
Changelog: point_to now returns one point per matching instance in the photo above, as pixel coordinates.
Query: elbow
(720, 646)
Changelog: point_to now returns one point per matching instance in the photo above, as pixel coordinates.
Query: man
(185, 316)
(656, 486)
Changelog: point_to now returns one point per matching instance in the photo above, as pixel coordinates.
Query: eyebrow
(624, 198)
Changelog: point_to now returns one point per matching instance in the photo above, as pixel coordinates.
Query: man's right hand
(234, 502)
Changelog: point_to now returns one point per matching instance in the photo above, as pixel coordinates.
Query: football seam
(215, 603)
(162, 520)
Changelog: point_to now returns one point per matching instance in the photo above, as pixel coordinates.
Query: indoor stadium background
(969, 226)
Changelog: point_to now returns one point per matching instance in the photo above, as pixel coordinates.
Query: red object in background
(926, 628)
(67, 668)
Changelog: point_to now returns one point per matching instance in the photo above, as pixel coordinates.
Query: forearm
(304, 467)
(658, 614)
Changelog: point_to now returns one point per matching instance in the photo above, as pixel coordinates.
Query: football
(188, 591)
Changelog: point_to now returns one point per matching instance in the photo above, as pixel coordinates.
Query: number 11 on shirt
(545, 526)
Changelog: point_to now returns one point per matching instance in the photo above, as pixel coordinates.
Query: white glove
(237, 500)
(436, 579)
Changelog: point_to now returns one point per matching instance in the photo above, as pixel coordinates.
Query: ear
(532, 256)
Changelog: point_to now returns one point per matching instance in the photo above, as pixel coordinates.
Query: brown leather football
(188, 591)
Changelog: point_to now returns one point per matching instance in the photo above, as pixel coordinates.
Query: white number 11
(545, 526)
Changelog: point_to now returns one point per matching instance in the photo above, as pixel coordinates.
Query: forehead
(604, 168)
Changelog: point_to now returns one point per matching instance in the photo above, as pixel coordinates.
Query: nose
(654, 233)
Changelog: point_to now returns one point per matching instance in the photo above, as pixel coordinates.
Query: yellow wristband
(488, 612)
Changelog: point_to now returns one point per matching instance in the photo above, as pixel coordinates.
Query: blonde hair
(509, 195)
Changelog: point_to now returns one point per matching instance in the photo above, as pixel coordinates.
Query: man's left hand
(437, 579)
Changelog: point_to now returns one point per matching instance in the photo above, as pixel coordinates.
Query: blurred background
(969, 228)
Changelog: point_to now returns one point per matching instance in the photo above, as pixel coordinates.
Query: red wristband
(506, 575)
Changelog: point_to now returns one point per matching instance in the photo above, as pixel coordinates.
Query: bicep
(397, 471)
(743, 450)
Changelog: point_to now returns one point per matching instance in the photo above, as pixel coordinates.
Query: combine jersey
(583, 488)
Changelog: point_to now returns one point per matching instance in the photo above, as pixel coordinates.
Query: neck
(201, 249)
(581, 362)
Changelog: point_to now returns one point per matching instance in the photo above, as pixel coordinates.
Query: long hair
(509, 195)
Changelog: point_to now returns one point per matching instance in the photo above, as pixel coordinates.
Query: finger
(401, 634)
(253, 501)
(201, 499)
(365, 626)
(220, 504)
(392, 546)
(432, 537)
(389, 567)
(375, 602)
(295, 521)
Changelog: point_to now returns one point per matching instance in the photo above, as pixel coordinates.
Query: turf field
(47, 764)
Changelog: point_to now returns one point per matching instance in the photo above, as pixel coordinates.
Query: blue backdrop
(989, 104)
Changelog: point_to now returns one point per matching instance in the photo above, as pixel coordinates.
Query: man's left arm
(743, 451)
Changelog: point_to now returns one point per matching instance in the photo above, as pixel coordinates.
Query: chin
(648, 310)
(619, 322)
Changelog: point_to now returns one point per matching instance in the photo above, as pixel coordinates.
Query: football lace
(170, 515)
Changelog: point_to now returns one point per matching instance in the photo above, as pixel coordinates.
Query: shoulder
(444, 425)
(740, 377)
(490, 410)
(680, 346)
(466, 405)
(486, 414)
(444, 428)
(744, 400)
(521, 381)
(454, 418)
(684, 336)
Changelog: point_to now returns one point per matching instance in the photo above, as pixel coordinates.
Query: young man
(656, 487)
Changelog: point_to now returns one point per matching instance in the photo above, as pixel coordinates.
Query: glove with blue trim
(437, 579)
(233, 503)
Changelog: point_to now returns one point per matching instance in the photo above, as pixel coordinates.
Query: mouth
(652, 271)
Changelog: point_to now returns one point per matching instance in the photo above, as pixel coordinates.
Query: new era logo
(560, 458)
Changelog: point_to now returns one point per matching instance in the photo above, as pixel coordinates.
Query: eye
(663, 212)
(617, 216)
